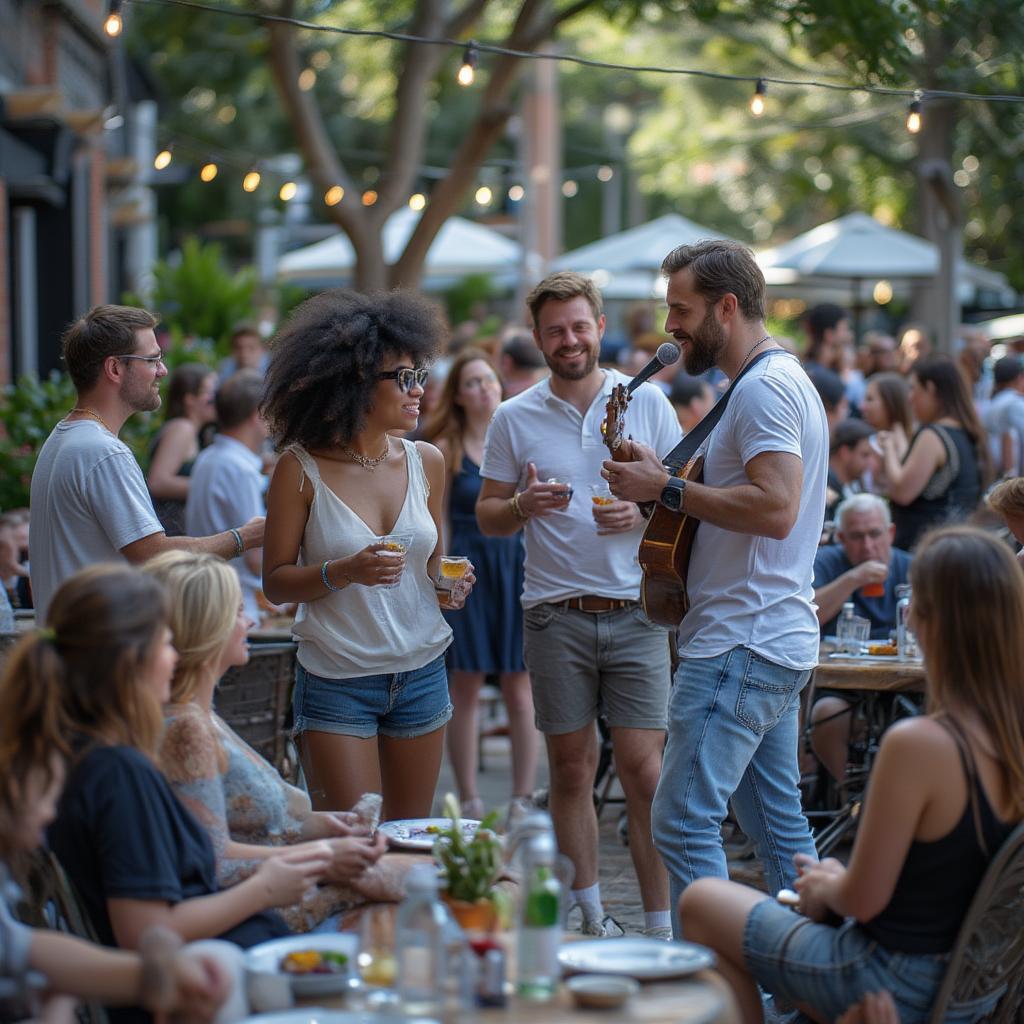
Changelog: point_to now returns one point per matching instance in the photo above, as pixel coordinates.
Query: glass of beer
(376, 960)
(873, 590)
(395, 545)
(600, 495)
(453, 569)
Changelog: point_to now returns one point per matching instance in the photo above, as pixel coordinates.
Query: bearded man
(89, 501)
(588, 646)
(750, 638)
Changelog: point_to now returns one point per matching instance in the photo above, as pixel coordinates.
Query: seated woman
(945, 792)
(134, 853)
(250, 812)
(31, 775)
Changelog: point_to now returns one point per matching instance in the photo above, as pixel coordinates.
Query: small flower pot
(479, 916)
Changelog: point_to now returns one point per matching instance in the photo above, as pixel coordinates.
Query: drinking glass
(564, 483)
(398, 543)
(859, 635)
(453, 568)
(376, 960)
(600, 494)
(873, 590)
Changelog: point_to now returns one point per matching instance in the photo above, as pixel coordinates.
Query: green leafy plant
(28, 412)
(470, 867)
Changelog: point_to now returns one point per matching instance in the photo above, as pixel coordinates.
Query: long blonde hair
(968, 594)
(448, 422)
(204, 594)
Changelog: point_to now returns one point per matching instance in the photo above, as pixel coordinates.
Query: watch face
(671, 496)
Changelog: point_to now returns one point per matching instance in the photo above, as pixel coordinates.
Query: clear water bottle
(906, 642)
(540, 919)
(422, 931)
(843, 628)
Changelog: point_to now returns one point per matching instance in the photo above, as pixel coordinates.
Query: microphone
(667, 354)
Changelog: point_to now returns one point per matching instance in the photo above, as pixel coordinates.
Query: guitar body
(665, 558)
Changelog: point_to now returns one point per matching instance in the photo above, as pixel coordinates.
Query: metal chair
(989, 951)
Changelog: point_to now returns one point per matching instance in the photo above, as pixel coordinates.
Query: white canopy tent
(461, 247)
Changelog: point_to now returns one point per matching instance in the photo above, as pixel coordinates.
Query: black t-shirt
(120, 832)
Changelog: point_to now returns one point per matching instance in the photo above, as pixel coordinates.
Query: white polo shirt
(564, 555)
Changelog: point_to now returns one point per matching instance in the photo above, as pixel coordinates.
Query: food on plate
(367, 811)
(882, 649)
(314, 961)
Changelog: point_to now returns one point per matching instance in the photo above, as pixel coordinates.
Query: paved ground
(619, 888)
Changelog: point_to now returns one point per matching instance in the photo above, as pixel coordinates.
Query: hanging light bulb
(757, 101)
(163, 158)
(334, 195)
(251, 181)
(287, 192)
(483, 195)
(516, 193)
(114, 24)
(417, 201)
(467, 72)
(914, 115)
(369, 197)
(208, 171)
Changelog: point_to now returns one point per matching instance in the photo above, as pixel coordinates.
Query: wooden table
(868, 674)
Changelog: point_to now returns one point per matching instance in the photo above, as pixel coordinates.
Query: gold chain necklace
(95, 415)
(368, 463)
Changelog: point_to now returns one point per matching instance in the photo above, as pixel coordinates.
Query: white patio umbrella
(461, 247)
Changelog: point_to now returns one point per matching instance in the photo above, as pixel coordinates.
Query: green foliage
(28, 412)
(199, 297)
(467, 296)
(471, 867)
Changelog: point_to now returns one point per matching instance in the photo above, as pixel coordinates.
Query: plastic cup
(395, 544)
(873, 590)
(453, 569)
(600, 495)
(563, 483)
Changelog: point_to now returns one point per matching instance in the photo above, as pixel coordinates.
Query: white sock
(657, 919)
(589, 901)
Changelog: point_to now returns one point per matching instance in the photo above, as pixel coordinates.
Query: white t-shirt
(226, 490)
(564, 555)
(88, 501)
(752, 591)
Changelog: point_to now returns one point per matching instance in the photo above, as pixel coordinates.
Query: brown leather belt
(592, 604)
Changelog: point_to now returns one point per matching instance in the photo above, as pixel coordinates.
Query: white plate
(412, 833)
(641, 958)
(314, 1015)
(267, 956)
(870, 659)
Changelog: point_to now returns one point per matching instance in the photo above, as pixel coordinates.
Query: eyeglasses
(152, 360)
(406, 377)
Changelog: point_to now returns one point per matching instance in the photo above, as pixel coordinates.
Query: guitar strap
(687, 448)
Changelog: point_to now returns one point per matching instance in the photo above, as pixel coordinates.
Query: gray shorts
(582, 665)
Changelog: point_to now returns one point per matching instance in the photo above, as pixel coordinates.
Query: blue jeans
(732, 733)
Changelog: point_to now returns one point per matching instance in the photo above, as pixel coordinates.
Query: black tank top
(939, 878)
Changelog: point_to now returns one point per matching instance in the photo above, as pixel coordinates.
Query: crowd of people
(826, 481)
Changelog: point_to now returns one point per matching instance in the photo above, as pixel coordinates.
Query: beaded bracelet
(239, 543)
(323, 575)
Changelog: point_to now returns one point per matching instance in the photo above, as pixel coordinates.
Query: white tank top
(362, 631)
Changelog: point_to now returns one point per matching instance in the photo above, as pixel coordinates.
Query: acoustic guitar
(664, 553)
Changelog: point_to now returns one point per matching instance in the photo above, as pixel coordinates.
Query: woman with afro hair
(353, 535)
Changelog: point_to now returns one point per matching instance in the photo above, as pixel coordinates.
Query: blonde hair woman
(946, 790)
(248, 809)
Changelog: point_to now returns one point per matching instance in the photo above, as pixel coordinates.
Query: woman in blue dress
(489, 630)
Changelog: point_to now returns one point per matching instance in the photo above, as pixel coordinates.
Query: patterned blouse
(236, 795)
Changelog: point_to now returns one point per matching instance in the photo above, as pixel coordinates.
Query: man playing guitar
(749, 640)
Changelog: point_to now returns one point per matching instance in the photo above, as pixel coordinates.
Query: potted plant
(470, 868)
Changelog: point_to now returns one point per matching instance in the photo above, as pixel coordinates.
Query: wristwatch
(672, 494)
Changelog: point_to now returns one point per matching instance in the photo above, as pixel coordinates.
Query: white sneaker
(606, 928)
(662, 931)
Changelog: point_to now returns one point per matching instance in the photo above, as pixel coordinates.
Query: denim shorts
(830, 969)
(402, 705)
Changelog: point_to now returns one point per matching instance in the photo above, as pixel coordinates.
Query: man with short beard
(588, 646)
(750, 638)
(89, 501)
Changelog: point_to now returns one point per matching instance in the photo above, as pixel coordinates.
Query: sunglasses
(406, 377)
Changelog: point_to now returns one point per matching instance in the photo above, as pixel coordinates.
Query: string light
(369, 197)
(307, 79)
(569, 188)
(334, 195)
(287, 192)
(467, 72)
(605, 173)
(114, 23)
(208, 171)
(483, 195)
(516, 193)
(251, 181)
(757, 102)
(163, 159)
(417, 201)
(914, 116)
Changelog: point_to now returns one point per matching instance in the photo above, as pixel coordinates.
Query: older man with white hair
(863, 567)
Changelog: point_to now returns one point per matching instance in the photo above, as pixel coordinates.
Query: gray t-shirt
(89, 500)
